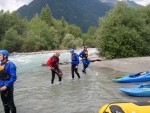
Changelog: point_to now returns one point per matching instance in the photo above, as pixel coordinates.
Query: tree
(46, 15)
(34, 43)
(68, 41)
(90, 38)
(12, 41)
(119, 33)
(4, 22)
(75, 30)
(39, 28)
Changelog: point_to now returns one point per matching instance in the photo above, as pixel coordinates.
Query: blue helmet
(71, 50)
(4, 52)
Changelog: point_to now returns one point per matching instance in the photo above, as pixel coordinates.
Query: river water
(34, 94)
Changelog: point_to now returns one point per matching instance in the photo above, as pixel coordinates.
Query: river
(34, 94)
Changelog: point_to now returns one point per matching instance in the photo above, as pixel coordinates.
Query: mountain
(129, 2)
(133, 4)
(83, 13)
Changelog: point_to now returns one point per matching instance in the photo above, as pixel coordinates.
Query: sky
(13, 5)
(142, 2)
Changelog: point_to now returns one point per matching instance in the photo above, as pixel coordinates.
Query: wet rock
(95, 57)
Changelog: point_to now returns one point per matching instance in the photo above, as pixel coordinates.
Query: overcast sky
(142, 2)
(13, 5)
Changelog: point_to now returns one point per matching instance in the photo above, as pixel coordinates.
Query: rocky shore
(130, 65)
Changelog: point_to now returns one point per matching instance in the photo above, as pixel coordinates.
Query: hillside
(83, 13)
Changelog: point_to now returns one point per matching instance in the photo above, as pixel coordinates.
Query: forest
(123, 32)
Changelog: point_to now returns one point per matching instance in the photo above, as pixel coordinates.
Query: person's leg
(72, 71)
(59, 74)
(4, 101)
(60, 78)
(8, 100)
(85, 65)
(11, 101)
(53, 76)
(77, 73)
(84, 68)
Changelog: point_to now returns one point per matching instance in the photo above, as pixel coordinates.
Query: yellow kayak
(126, 107)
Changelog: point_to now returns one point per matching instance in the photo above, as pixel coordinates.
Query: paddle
(132, 75)
(119, 76)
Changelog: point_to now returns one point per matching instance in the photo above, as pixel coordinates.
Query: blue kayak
(142, 90)
(138, 77)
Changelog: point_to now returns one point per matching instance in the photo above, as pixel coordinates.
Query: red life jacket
(53, 62)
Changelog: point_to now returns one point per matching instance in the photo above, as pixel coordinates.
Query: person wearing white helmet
(74, 63)
(7, 79)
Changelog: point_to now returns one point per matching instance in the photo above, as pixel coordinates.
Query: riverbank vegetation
(42, 32)
(123, 32)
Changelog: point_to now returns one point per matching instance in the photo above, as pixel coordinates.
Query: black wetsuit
(8, 100)
(53, 76)
(74, 69)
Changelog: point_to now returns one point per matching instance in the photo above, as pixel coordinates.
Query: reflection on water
(35, 94)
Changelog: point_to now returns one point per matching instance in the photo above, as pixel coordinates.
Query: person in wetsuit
(7, 79)
(85, 60)
(53, 63)
(74, 63)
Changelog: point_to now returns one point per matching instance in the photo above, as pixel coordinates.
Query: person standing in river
(74, 63)
(85, 60)
(53, 63)
(7, 79)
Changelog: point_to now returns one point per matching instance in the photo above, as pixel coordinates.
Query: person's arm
(11, 69)
(50, 62)
(81, 54)
(77, 59)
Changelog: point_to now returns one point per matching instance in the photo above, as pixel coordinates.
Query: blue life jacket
(75, 59)
(84, 54)
(8, 74)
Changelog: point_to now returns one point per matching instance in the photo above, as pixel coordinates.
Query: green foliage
(4, 22)
(69, 41)
(40, 33)
(12, 41)
(46, 15)
(34, 44)
(124, 32)
(90, 38)
(75, 30)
